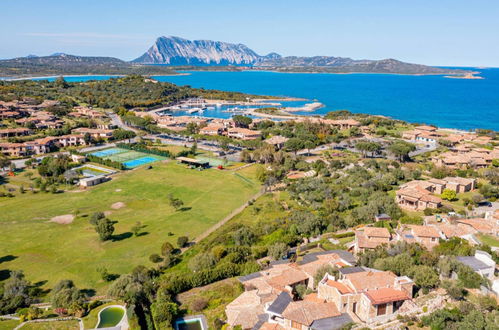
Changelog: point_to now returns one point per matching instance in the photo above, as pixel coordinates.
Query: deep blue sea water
(451, 103)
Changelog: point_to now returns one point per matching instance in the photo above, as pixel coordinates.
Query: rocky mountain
(178, 51)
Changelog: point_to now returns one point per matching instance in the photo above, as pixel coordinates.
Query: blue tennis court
(107, 152)
(140, 161)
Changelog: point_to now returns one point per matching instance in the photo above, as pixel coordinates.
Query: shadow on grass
(7, 258)
(4, 274)
(122, 236)
(143, 233)
(88, 292)
(183, 209)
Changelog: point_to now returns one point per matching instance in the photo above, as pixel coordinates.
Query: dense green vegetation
(119, 94)
(75, 65)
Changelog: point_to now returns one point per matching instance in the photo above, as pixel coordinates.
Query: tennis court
(129, 158)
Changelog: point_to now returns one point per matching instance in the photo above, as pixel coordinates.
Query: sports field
(49, 251)
(129, 158)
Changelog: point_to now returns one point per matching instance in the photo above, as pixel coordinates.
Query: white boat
(194, 110)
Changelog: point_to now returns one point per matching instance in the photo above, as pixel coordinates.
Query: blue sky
(437, 32)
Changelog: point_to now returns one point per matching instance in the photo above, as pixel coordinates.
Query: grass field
(8, 324)
(56, 325)
(49, 251)
(489, 240)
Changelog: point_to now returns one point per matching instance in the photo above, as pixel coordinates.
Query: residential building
(484, 226)
(428, 236)
(370, 295)
(370, 238)
(481, 263)
(417, 197)
(13, 132)
(269, 294)
(277, 141)
(243, 133)
(212, 129)
(94, 132)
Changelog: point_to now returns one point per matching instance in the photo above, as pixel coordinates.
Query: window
(381, 309)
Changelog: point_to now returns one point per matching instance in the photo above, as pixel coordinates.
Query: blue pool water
(454, 103)
(140, 161)
(107, 152)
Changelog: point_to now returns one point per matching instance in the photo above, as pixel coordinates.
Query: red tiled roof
(342, 288)
(385, 295)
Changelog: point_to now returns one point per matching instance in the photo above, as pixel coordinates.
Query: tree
(96, 217)
(449, 195)
(66, 295)
(278, 250)
(294, 145)
(104, 274)
(202, 261)
(167, 248)
(182, 241)
(105, 229)
(454, 290)
(424, 276)
(121, 134)
(322, 271)
(137, 228)
(194, 149)
(163, 313)
(401, 149)
(15, 293)
(244, 236)
(176, 203)
(242, 121)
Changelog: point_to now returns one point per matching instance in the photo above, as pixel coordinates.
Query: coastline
(88, 75)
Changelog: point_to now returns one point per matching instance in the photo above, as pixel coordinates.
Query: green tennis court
(129, 158)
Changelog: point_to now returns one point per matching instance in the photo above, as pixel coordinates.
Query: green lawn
(48, 251)
(216, 296)
(56, 325)
(8, 324)
(489, 240)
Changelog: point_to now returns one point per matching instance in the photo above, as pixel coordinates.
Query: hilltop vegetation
(123, 93)
(75, 65)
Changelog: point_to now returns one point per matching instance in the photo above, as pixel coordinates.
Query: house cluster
(464, 156)
(436, 228)
(423, 133)
(34, 117)
(357, 294)
(430, 134)
(421, 194)
(86, 112)
(40, 146)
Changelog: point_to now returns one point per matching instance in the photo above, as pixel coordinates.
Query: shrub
(198, 304)
(155, 258)
(182, 241)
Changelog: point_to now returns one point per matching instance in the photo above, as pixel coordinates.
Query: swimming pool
(111, 316)
(140, 161)
(196, 322)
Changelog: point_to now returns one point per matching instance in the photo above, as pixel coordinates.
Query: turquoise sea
(451, 103)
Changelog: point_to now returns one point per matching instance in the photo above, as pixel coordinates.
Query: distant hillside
(175, 51)
(63, 64)
(347, 65)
